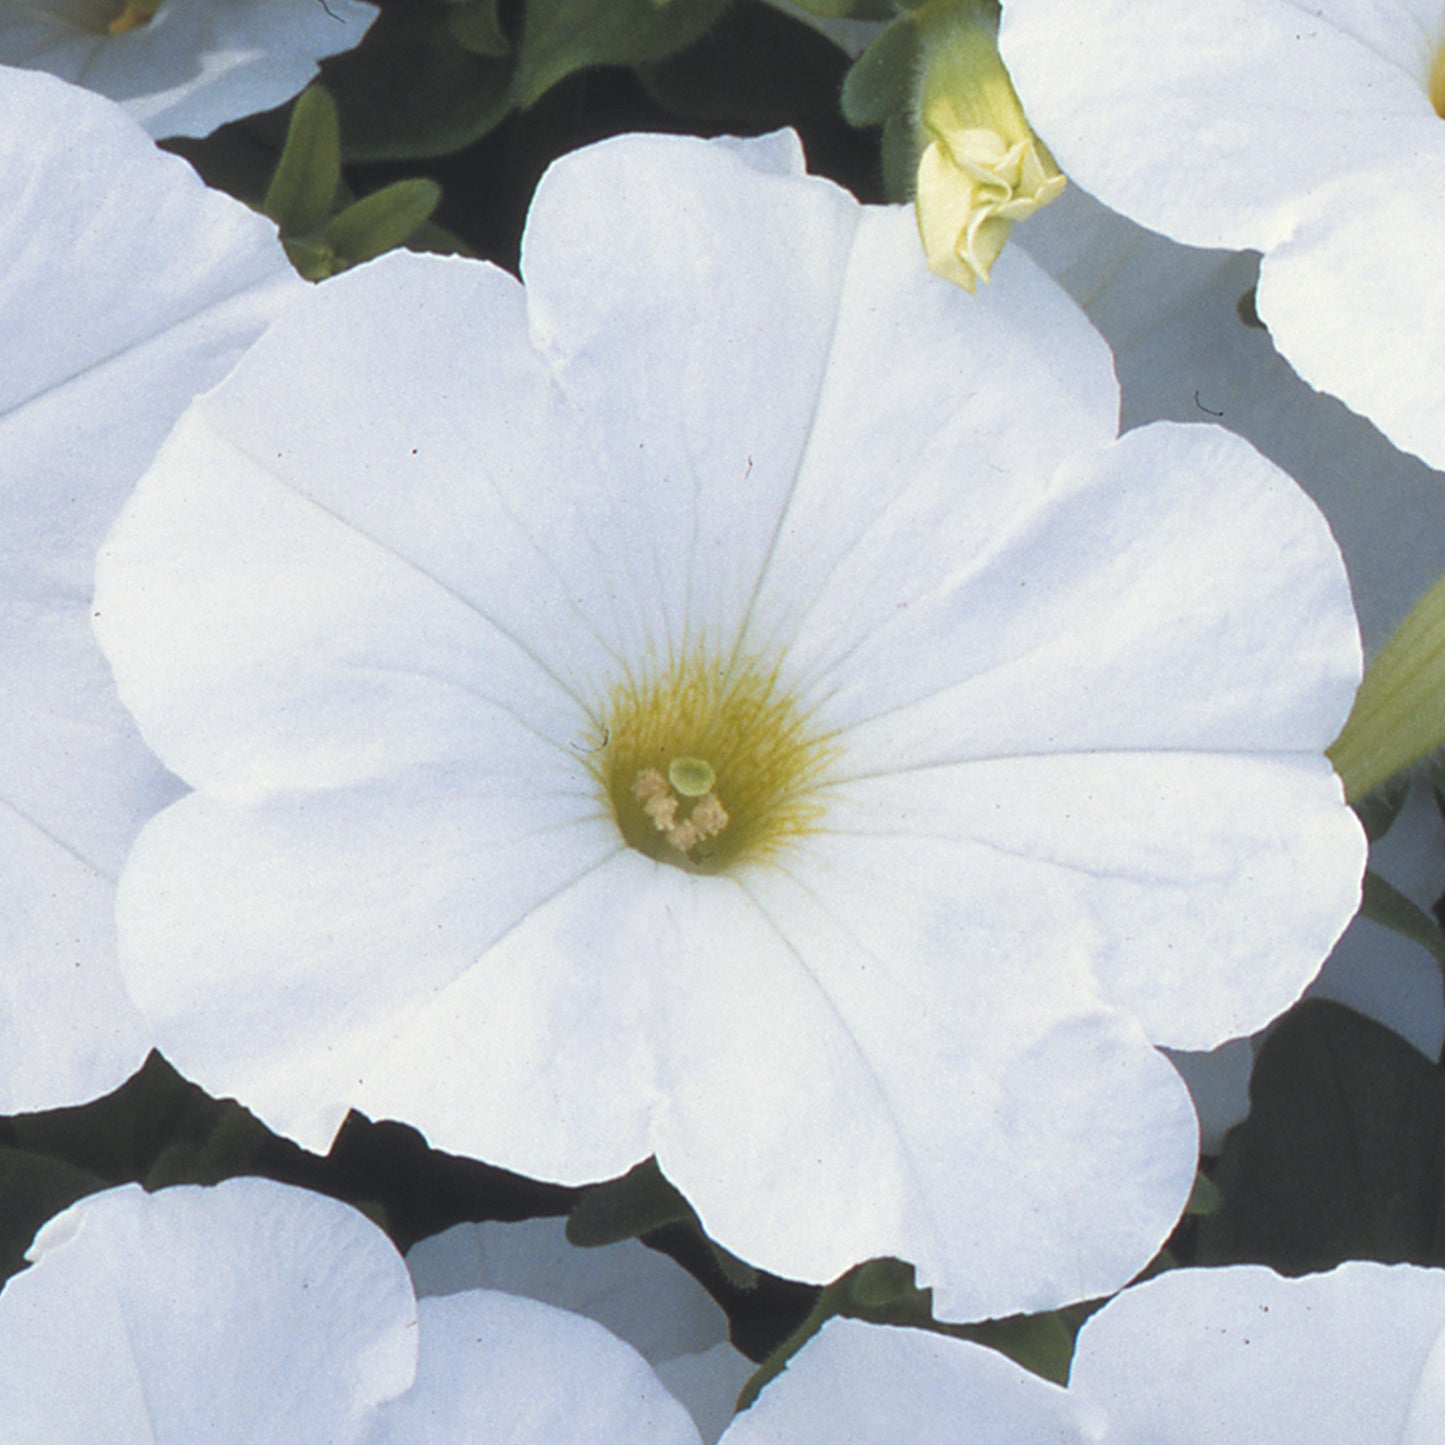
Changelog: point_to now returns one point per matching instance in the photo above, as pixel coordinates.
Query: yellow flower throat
(706, 765)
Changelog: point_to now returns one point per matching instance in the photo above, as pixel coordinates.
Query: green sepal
(381, 221)
(563, 36)
(1399, 711)
(1385, 904)
(641, 1200)
(899, 158)
(303, 187)
(477, 27)
(880, 83)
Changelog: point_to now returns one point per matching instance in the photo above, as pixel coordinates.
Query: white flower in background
(1192, 1357)
(732, 700)
(1310, 133)
(639, 1294)
(183, 67)
(125, 288)
(253, 1313)
(1172, 316)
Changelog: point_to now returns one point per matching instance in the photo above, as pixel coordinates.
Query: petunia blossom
(732, 699)
(125, 288)
(253, 1313)
(637, 1293)
(183, 67)
(1192, 1357)
(1311, 133)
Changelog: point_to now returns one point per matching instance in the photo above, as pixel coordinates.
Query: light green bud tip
(691, 777)
(981, 168)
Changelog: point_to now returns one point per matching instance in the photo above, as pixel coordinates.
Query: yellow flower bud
(982, 168)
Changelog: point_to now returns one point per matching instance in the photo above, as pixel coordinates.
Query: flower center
(1437, 82)
(132, 15)
(706, 765)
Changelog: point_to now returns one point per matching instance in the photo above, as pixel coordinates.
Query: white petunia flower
(253, 1313)
(733, 700)
(1310, 133)
(125, 288)
(1192, 1357)
(637, 1293)
(183, 67)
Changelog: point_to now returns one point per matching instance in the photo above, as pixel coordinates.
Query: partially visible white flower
(457, 601)
(125, 288)
(183, 67)
(1310, 133)
(640, 1295)
(253, 1313)
(1192, 1357)
(1183, 350)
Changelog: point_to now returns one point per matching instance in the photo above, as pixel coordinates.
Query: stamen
(708, 816)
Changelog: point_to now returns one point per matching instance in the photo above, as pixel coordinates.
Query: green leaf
(1342, 1155)
(33, 1189)
(1384, 903)
(477, 28)
(880, 82)
(1204, 1197)
(1399, 711)
(639, 1201)
(381, 221)
(849, 9)
(411, 89)
(754, 68)
(303, 189)
(738, 1272)
(563, 36)
(1041, 1343)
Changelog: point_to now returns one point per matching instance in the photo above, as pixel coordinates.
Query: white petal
(1331, 1359)
(941, 421)
(1173, 592)
(497, 1368)
(277, 951)
(872, 1385)
(109, 333)
(1218, 1083)
(694, 364)
(1205, 889)
(639, 1294)
(1379, 972)
(1214, 124)
(847, 1080)
(196, 64)
(1365, 245)
(342, 579)
(241, 1315)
